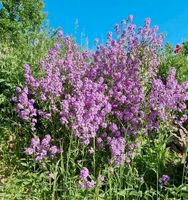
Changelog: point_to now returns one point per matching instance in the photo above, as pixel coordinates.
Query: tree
(18, 17)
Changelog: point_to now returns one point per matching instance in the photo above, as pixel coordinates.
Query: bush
(107, 115)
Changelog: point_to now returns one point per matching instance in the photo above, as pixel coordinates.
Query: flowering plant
(107, 100)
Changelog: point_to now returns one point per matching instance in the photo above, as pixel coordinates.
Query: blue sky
(96, 17)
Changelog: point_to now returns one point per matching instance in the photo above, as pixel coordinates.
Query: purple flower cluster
(109, 95)
(25, 106)
(84, 173)
(47, 89)
(42, 149)
(84, 182)
(164, 180)
(86, 109)
(117, 148)
(121, 64)
(166, 100)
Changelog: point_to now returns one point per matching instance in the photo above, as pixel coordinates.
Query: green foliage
(179, 61)
(18, 17)
(185, 48)
(25, 185)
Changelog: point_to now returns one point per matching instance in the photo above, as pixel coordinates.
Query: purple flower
(141, 179)
(117, 148)
(60, 34)
(45, 142)
(42, 149)
(90, 184)
(130, 18)
(96, 41)
(18, 89)
(99, 140)
(147, 22)
(164, 180)
(91, 150)
(42, 97)
(29, 151)
(51, 175)
(101, 178)
(35, 142)
(113, 127)
(116, 27)
(84, 173)
(123, 22)
(54, 150)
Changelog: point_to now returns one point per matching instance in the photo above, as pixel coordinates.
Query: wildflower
(101, 178)
(117, 148)
(113, 127)
(177, 49)
(84, 182)
(91, 150)
(45, 142)
(51, 175)
(147, 22)
(84, 173)
(42, 149)
(101, 96)
(116, 27)
(130, 18)
(35, 142)
(54, 150)
(89, 184)
(60, 34)
(123, 22)
(164, 180)
(29, 151)
(96, 41)
(141, 179)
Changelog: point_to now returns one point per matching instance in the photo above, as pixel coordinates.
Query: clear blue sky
(97, 17)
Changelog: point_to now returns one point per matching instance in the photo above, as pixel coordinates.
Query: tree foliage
(18, 17)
